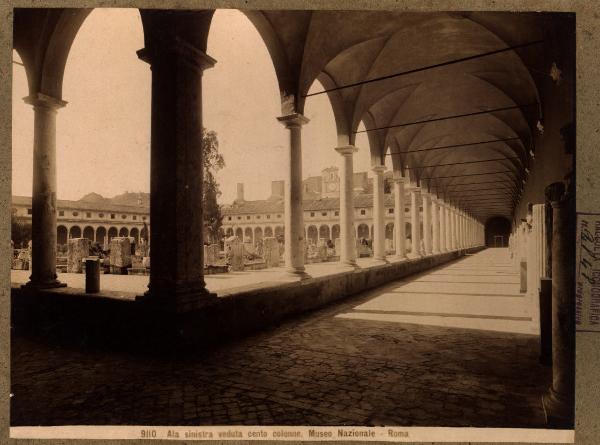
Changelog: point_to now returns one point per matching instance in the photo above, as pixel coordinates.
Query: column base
(350, 263)
(178, 301)
(558, 409)
(414, 256)
(436, 252)
(294, 272)
(54, 284)
(399, 258)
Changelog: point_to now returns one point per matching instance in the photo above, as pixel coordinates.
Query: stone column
(294, 212)
(452, 228)
(559, 402)
(442, 211)
(176, 166)
(348, 247)
(378, 214)
(427, 223)
(448, 228)
(415, 223)
(435, 221)
(43, 205)
(399, 223)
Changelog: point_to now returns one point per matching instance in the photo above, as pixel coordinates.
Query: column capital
(398, 179)
(175, 45)
(346, 150)
(293, 120)
(43, 100)
(378, 169)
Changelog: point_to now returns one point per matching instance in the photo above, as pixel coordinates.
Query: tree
(213, 162)
(20, 232)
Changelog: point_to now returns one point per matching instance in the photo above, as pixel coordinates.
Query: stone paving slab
(319, 369)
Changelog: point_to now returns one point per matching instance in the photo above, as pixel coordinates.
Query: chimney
(240, 192)
(277, 189)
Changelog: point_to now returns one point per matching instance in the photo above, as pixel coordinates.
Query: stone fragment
(79, 248)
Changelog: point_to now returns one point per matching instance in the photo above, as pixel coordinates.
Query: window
(75, 213)
(363, 212)
(134, 217)
(278, 216)
(268, 216)
(229, 218)
(143, 218)
(323, 213)
(420, 209)
(124, 216)
(112, 216)
(248, 217)
(239, 217)
(391, 210)
(337, 213)
(101, 215)
(88, 214)
(257, 216)
(29, 212)
(406, 209)
(61, 213)
(312, 213)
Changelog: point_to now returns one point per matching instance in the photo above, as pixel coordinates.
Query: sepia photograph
(270, 224)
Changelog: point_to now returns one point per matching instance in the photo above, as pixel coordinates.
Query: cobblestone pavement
(324, 368)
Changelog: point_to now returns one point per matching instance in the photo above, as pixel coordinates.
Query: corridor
(446, 348)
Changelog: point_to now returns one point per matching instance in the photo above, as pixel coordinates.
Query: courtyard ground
(445, 348)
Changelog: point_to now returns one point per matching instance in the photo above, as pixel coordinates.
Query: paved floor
(222, 284)
(442, 349)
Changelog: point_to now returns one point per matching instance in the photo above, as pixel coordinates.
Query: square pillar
(415, 223)
(426, 197)
(399, 223)
(378, 214)
(435, 221)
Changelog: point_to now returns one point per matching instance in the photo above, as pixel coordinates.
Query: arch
(229, 232)
(239, 232)
(123, 232)
(362, 231)
(335, 231)
(497, 231)
(112, 233)
(88, 232)
(101, 235)
(258, 234)
(75, 232)
(144, 233)
(135, 233)
(408, 230)
(61, 235)
(324, 232)
(279, 231)
(268, 232)
(248, 234)
(312, 234)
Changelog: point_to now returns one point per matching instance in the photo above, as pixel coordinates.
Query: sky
(103, 134)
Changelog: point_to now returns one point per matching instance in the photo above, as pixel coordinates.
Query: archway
(61, 235)
(258, 234)
(124, 232)
(144, 233)
(497, 231)
(135, 233)
(363, 231)
(229, 232)
(239, 232)
(278, 231)
(335, 231)
(324, 232)
(312, 234)
(112, 233)
(75, 232)
(268, 232)
(88, 232)
(248, 235)
(101, 235)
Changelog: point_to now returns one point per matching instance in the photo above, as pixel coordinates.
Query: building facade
(257, 219)
(95, 217)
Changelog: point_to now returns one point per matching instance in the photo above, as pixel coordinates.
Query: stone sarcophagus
(78, 249)
(271, 252)
(120, 252)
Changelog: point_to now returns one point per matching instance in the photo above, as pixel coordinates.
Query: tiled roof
(362, 200)
(106, 206)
